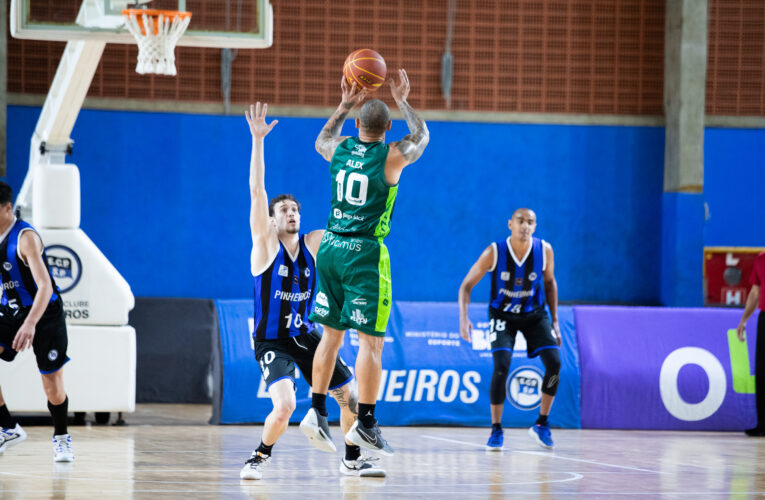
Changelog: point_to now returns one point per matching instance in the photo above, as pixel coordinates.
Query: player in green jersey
(354, 288)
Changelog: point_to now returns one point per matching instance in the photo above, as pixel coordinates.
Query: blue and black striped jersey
(284, 295)
(516, 285)
(19, 287)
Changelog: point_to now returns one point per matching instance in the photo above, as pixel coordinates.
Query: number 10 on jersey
(350, 187)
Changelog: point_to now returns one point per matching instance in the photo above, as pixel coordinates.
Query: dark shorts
(50, 341)
(535, 327)
(277, 359)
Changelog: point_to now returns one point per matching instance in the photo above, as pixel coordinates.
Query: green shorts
(354, 289)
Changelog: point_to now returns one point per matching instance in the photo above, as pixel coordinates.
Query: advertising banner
(662, 368)
(430, 375)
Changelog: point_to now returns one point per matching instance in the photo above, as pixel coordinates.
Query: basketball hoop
(156, 45)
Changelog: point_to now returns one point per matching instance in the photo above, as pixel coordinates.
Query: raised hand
(352, 96)
(400, 90)
(257, 120)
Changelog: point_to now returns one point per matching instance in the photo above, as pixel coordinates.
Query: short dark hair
(279, 198)
(374, 116)
(6, 193)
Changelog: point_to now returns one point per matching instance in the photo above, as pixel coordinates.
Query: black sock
(319, 402)
(266, 450)
(542, 420)
(367, 415)
(352, 452)
(496, 427)
(6, 420)
(59, 413)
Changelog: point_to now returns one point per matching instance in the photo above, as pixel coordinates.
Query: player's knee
(551, 360)
(283, 410)
(502, 361)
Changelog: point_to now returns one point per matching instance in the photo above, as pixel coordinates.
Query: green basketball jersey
(362, 201)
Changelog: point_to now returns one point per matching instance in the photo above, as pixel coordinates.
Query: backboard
(215, 23)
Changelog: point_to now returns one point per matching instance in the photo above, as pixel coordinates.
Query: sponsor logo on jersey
(532, 276)
(524, 388)
(518, 281)
(65, 266)
(359, 301)
(504, 275)
(332, 240)
(359, 150)
(10, 285)
(52, 355)
(359, 218)
(283, 271)
(321, 311)
(337, 213)
(358, 318)
(516, 295)
(292, 296)
(321, 299)
(307, 272)
(7, 266)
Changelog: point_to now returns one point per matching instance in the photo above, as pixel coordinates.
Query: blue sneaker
(496, 441)
(541, 434)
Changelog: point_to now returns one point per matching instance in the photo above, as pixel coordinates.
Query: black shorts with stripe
(535, 327)
(50, 341)
(277, 359)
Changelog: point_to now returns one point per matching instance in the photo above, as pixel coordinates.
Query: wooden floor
(169, 451)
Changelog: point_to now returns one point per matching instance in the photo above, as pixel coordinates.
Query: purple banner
(661, 368)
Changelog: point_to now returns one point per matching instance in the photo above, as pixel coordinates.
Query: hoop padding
(156, 45)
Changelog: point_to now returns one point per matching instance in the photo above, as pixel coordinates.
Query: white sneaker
(12, 437)
(253, 468)
(62, 448)
(363, 467)
(2, 444)
(316, 429)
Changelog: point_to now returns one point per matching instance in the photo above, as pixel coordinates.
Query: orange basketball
(365, 67)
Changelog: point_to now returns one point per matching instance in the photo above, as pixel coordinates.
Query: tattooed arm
(329, 137)
(410, 148)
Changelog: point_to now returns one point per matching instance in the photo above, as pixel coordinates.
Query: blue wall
(734, 187)
(172, 214)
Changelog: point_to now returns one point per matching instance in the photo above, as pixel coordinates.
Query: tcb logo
(64, 265)
(524, 388)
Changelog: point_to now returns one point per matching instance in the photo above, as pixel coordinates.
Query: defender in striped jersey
(31, 315)
(283, 264)
(353, 263)
(522, 280)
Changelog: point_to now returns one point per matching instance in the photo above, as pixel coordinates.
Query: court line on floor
(545, 454)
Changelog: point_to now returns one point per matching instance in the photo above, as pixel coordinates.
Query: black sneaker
(758, 431)
(369, 438)
(316, 429)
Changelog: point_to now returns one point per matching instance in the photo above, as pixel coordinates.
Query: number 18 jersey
(362, 200)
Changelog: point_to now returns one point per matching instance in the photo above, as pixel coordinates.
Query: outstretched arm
(329, 137)
(264, 239)
(483, 265)
(411, 147)
(551, 289)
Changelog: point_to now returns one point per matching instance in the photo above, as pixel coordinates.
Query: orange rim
(154, 13)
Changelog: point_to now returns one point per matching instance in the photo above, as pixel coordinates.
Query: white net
(156, 42)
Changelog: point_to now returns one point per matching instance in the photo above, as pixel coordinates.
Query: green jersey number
(353, 178)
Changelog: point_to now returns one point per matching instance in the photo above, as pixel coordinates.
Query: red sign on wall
(726, 274)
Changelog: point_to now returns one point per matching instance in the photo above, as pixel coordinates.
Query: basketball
(365, 67)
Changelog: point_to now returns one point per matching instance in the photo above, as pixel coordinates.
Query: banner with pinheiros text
(430, 375)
